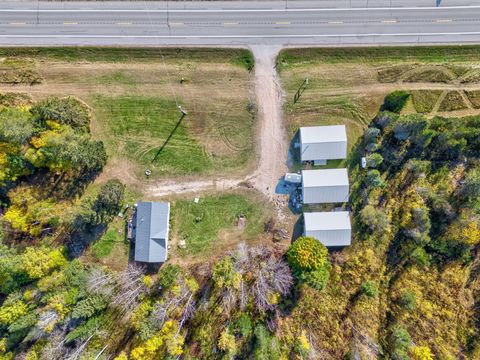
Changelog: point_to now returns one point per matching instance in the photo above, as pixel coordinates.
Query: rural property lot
(348, 85)
(134, 94)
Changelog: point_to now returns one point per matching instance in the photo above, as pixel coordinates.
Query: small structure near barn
(325, 186)
(332, 229)
(322, 143)
(151, 232)
(293, 178)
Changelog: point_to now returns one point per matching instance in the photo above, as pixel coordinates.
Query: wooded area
(407, 288)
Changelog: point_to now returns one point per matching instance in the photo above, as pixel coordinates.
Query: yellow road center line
(17, 23)
(124, 23)
(283, 23)
(230, 23)
(335, 22)
(70, 23)
(389, 21)
(444, 20)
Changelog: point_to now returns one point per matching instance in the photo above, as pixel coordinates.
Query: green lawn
(137, 127)
(240, 57)
(216, 213)
(428, 54)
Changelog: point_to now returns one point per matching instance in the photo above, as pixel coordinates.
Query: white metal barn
(322, 143)
(325, 186)
(330, 228)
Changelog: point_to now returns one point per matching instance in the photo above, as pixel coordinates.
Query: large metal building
(322, 143)
(151, 232)
(332, 229)
(325, 186)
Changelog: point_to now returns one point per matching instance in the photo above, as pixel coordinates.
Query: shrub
(317, 279)
(408, 300)
(374, 160)
(307, 254)
(373, 179)
(68, 111)
(374, 218)
(244, 325)
(395, 101)
(369, 288)
(308, 259)
(399, 343)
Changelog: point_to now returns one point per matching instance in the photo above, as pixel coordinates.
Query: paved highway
(324, 22)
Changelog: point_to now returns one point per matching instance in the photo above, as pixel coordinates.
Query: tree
(165, 342)
(408, 300)
(369, 288)
(471, 187)
(226, 342)
(67, 111)
(10, 312)
(308, 259)
(266, 346)
(421, 353)
(374, 218)
(399, 343)
(224, 274)
(307, 254)
(374, 160)
(373, 179)
(109, 199)
(38, 262)
(395, 101)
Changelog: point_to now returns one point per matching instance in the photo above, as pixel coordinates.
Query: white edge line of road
(237, 10)
(87, 36)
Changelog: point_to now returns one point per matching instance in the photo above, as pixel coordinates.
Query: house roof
(335, 220)
(325, 177)
(323, 134)
(151, 231)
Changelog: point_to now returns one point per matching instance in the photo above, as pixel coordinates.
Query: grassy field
(134, 96)
(212, 224)
(348, 85)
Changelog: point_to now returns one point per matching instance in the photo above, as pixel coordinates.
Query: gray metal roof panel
(325, 177)
(323, 134)
(151, 231)
(334, 220)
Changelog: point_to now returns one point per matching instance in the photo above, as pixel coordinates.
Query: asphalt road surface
(283, 23)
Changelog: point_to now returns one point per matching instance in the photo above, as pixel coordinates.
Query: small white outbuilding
(322, 143)
(332, 229)
(325, 186)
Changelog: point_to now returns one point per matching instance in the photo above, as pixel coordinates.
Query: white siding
(323, 142)
(323, 151)
(325, 194)
(330, 228)
(331, 237)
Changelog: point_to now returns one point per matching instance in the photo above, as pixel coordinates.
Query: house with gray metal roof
(322, 143)
(332, 229)
(325, 186)
(151, 232)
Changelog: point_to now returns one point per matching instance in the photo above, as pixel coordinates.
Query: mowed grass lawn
(348, 85)
(142, 125)
(201, 225)
(134, 94)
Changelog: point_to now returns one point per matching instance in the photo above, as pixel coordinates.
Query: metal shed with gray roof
(322, 143)
(151, 232)
(332, 229)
